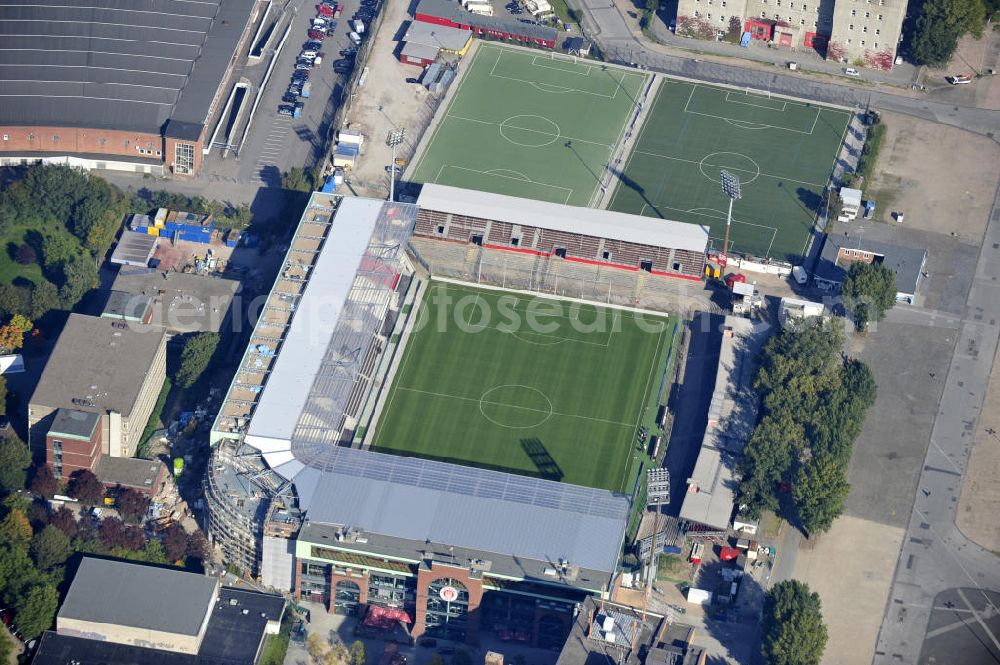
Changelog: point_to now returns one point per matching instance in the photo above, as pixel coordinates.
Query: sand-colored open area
(851, 568)
(910, 178)
(980, 503)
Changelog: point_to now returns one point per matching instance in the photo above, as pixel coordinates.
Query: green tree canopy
(358, 656)
(14, 462)
(58, 248)
(44, 298)
(793, 632)
(870, 290)
(50, 548)
(195, 357)
(79, 277)
(36, 608)
(939, 26)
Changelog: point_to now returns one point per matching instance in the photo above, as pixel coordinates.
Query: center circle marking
(497, 406)
(539, 137)
(754, 166)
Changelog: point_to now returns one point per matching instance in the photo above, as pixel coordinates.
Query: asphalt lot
(963, 629)
(276, 142)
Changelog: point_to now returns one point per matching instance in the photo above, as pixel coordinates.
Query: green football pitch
(530, 124)
(539, 387)
(782, 150)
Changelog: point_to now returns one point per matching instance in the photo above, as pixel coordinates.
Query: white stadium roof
(569, 219)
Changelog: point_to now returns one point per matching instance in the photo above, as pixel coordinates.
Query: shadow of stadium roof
(111, 67)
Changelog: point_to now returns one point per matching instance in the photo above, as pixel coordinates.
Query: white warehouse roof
(569, 219)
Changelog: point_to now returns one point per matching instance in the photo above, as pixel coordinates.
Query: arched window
(447, 607)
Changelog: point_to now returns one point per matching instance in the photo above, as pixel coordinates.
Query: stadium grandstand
(297, 499)
(114, 87)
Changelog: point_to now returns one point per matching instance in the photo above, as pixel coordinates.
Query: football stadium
(454, 456)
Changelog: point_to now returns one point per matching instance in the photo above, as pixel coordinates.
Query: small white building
(850, 204)
(793, 310)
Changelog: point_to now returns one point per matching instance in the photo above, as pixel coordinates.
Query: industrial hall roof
(569, 219)
(108, 65)
(121, 593)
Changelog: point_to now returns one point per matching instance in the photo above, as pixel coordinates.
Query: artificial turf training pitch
(529, 124)
(561, 398)
(782, 150)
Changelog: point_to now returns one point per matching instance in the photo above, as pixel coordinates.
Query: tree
(315, 646)
(132, 504)
(79, 276)
(15, 458)
(14, 299)
(296, 179)
(59, 248)
(44, 299)
(175, 541)
(939, 26)
(44, 482)
(198, 546)
(85, 487)
(15, 527)
(358, 655)
(112, 533)
(870, 291)
(26, 255)
(64, 520)
(50, 548)
(135, 538)
(819, 492)
(195, 357)
(36, 608)
(12, 334)
(793, 632)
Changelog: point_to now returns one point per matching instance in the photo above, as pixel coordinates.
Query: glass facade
(315, 582)
(392, 591)
(184, 158)
(447, 609)
(346, 598)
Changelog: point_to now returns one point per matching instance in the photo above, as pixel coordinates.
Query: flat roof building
(440, 37)
(143, 475)
(110, 86)
(711, 489)
(114, 369)
(873, 245)
(179, 302)
(134, 249)
(124, 613)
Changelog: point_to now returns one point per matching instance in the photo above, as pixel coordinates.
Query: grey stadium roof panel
(109, 65)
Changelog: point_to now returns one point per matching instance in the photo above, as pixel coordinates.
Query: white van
(800, 275)
(851, 71)
(355, 37)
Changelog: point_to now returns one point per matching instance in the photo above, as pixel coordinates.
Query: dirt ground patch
(974, 56)
(955, 200)
(851, 568)
(980, 502)
(387, 102)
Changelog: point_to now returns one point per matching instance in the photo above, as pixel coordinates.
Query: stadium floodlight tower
(731, 188)
(395, 137)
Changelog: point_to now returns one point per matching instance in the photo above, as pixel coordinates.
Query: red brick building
(73, 442)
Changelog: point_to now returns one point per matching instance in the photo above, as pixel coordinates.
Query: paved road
(622, 46)
(935, 555)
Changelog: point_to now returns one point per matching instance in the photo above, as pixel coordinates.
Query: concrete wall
(134, 422)
(140, 637)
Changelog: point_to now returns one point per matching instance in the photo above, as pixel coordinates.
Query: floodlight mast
(395, 137)
(731, 188)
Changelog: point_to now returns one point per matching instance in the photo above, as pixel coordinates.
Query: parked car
(350, 50)
(344, 62)
(317, 35)
(312, 45)
(324, 10)
(289, 98)
(286, 110)
(308, 55)
(851, 71)
(300, 75)
(959, 79)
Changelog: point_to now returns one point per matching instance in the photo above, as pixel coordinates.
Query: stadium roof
(429, 501)
(108, 65)
(130, 594)
(303, 360)
(98, 364)
(569, 219)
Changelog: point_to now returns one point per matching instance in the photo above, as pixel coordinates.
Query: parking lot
(278, 140)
